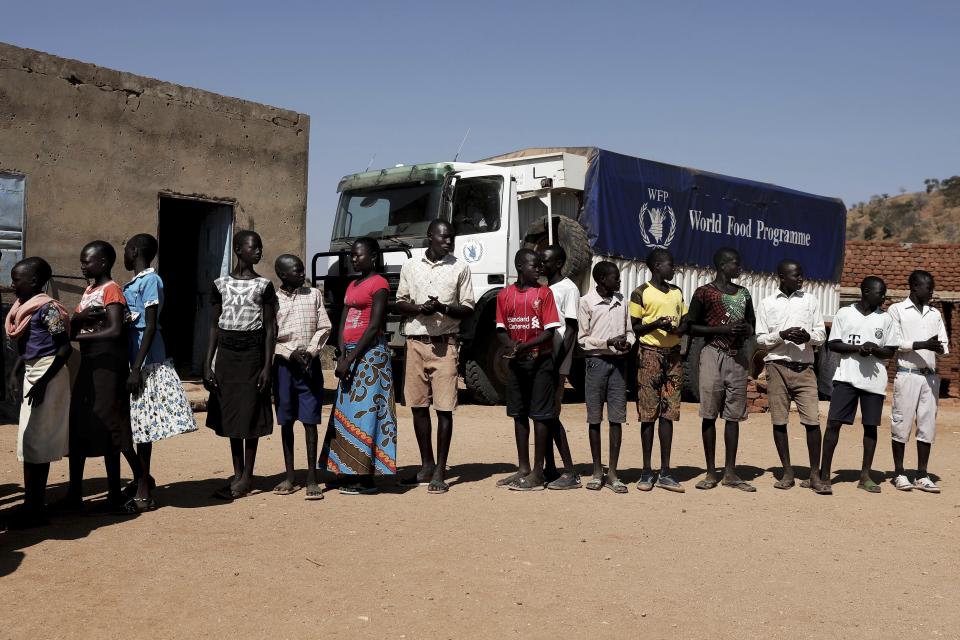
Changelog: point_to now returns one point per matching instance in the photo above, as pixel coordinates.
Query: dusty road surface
(481, 562)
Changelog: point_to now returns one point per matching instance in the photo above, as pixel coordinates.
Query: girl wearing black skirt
(243, 335)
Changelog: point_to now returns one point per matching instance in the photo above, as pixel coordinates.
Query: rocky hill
(931, 216)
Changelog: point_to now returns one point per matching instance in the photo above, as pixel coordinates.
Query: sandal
(617, 486)
(286, 492)
(595, 484)
(869, 486)
(784, 484)
(742, 485)
(707, 483)
(525, 484)
(138, 505)
(313, 493)
(823, 489)
(438, 486)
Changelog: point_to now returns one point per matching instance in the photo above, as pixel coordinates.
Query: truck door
(480, 213)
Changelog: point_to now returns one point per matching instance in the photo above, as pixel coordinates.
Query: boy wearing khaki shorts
(789, 326)
(435, 293)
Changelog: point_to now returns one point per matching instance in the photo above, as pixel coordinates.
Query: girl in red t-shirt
(363, 442)
(100, 404)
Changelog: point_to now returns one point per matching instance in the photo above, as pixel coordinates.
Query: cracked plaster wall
(98, 146)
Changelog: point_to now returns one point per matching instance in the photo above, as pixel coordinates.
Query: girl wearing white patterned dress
(243, 335)
(158, 405)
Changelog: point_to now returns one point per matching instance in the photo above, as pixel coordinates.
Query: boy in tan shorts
(789, 326)
(435, 293)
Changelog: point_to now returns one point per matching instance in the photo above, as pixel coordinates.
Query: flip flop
(617, 486)
(869, 486)
(806, 484)
(437, 486)
(355, 490)
(287, 492)
(562, 483)
(525, 485)
(782, 484)
(742, 485)
(706, 484)
(823, 490)
(509, 480)
(314, 493)
(595, 484)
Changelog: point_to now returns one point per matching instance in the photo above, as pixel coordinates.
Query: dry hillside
(932, 216)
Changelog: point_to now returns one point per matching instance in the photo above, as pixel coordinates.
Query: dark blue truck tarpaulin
(633, 205)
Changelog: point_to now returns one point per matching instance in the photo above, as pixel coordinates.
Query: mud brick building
(91, 153)
(893, 262)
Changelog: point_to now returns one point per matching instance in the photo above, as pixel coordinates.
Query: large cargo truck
(598, 205)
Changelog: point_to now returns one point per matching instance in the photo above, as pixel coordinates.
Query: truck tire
(691, 371)
(568, 234)
(485, 371)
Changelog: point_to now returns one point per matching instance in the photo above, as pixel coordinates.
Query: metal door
(11, 223)
(213, 260)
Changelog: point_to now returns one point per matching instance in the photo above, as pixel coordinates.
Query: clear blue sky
(837, 98)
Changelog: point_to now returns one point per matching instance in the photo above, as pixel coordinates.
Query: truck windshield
(400, 209)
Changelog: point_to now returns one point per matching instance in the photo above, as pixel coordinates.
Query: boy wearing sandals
(526, 319)
(789, 326)
(606, 337)
(302, 329)
(864, 336)
(923, 338)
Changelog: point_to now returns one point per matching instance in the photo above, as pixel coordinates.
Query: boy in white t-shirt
(567, 296)
(864, 336)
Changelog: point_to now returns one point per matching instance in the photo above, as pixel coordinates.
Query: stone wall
(98, 147)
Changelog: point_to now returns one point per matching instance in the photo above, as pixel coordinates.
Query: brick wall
(893, 261)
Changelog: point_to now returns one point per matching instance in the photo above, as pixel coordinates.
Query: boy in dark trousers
(526, 320)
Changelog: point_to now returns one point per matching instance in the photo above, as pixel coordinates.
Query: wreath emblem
(654, 236)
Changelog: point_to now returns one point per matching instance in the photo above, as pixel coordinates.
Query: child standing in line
(158, 405)
(100, 406)
(364, 420)
(916, 388)
(605, 337)
(302, 329)
(38, 324)
(864, 336)
(243, 334)
(526, 319)
(657, 308)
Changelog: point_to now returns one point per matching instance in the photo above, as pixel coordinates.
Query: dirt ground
(481, 562)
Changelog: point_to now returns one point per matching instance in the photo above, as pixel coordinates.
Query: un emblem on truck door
(658, 225)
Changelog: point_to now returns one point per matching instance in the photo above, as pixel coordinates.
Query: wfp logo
(472, 251)
(658, 225)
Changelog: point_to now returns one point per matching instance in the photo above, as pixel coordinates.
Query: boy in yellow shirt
(656, 309)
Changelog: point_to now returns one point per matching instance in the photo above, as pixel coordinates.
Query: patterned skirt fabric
(161, 409)
(364, 418)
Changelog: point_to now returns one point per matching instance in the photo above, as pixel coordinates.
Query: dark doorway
(194, 238)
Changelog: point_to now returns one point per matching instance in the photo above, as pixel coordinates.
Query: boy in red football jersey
(526, 319)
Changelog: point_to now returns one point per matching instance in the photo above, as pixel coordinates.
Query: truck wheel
(568, 234)
(691, 371)
(485, 371)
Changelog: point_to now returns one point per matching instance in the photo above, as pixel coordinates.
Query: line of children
(126, 391)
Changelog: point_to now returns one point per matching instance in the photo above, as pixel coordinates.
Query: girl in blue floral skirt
(158, 405)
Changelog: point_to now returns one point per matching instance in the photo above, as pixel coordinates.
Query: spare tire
(568, 233)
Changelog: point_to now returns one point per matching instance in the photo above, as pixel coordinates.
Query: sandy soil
(486, 563)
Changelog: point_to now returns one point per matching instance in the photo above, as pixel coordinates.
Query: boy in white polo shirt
(916, 388)
(864, 336)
